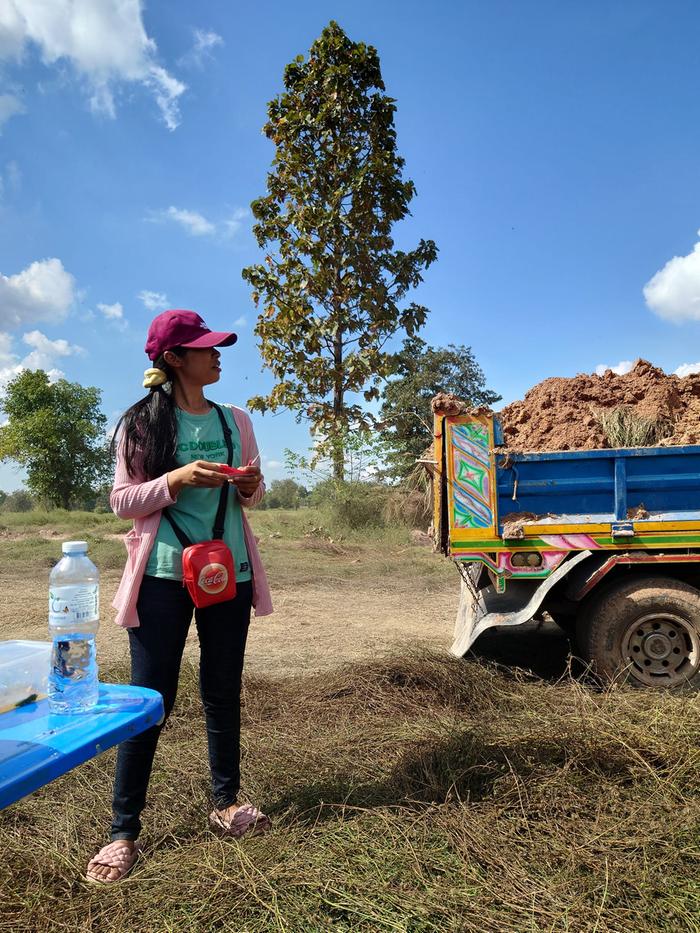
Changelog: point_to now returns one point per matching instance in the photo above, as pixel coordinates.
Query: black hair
(149, 428)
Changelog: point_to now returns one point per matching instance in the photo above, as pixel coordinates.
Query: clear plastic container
(74, 613)
(24, 672)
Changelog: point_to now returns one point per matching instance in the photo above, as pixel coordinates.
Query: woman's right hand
(197, 473)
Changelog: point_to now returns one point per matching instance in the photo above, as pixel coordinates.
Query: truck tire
(566, 622)
(645, 632)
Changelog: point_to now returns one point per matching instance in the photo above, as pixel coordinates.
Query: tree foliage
(57, 432)
(17, 501)
(285, 494)
(362, 453)
(421, 372)
(333, 285)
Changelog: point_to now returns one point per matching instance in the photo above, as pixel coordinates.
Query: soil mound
(565, 414)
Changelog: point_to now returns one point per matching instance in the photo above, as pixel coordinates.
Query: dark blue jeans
(165, 612)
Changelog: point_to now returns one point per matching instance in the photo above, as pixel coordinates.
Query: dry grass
(623, 427)
(409, 792)
(411, 503)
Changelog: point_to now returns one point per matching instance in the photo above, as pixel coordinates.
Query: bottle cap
(74, 547)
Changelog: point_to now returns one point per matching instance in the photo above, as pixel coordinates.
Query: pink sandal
(246, 820)
(114, 855)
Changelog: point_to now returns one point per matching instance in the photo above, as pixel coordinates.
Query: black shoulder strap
(220, 520)
(179, 533)
(228, 433)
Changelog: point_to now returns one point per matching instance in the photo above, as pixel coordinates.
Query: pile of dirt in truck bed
(565, 414)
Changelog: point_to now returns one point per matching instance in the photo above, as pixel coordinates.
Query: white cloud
(240, 321)
(166, 90)
(105, 42)
(10, 106)
(46, 351)
(11, 30)
(674, 292)
(273, 464)
(153, 301)
(112, 312)
(7, 357)
(196, 224)
(687, 369)
(44, 354)
(622, 368)
(44, 291)
(193, 223)
(233, 224)
(204, 41)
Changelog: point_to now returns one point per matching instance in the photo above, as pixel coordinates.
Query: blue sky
(555, 148)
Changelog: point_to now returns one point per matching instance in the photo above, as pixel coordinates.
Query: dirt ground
(314, 627)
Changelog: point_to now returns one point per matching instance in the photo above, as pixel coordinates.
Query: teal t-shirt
(201, 437)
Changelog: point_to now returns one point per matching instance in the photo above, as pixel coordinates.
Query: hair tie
(153, 378)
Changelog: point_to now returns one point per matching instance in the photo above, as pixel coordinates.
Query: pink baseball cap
(179, 328)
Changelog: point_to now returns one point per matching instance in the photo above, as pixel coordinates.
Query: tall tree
(421, 372)
(332, 286)
(57, 431)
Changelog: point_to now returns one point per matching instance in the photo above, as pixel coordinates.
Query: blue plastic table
(37, 746)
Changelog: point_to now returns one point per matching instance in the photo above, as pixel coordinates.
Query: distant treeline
(281, 494)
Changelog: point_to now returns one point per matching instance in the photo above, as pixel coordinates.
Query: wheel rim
(661, 650)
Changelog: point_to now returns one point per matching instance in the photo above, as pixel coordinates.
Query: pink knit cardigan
(143, 501)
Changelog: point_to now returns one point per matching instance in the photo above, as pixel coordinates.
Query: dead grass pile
(413, 793)
(623, 427)
(411, 503)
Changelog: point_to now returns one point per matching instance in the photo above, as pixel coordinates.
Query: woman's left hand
(248, 483)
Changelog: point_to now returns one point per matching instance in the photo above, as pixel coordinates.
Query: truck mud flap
(483, 609)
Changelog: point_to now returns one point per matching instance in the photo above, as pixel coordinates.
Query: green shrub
(353, 505)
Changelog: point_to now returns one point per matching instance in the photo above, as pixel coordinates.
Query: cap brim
(213, 339)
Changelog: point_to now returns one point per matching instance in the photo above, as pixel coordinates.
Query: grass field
(409, 791)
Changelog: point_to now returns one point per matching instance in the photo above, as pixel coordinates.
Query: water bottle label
(70, 658)
(69, 604)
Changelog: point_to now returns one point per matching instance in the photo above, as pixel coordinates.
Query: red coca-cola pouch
(208, 573)
(207, 567)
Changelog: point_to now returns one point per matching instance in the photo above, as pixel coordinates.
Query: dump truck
(605, 542)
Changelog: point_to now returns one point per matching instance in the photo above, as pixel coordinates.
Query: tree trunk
(338, 446)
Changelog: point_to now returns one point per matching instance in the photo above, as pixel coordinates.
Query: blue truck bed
(610, 493)
(600, 486)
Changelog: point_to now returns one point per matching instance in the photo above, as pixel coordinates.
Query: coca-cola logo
(213, 578)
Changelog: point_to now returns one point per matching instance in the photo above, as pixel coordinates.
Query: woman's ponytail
(148, 430)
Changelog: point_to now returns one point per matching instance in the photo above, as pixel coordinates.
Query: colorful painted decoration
(471, 462)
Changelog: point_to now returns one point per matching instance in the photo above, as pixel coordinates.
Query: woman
(169, 455)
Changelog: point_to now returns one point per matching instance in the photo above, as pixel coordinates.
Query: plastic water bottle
(74, 614)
